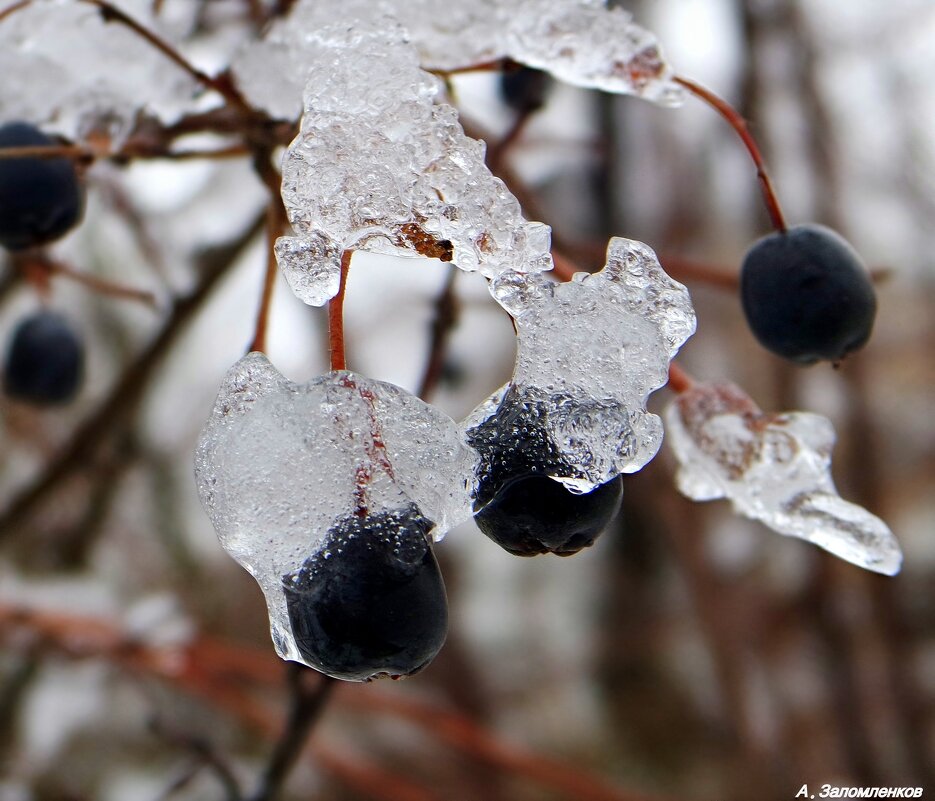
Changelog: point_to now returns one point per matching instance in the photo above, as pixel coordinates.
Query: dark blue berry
(40, 199)
(372, 601)
(516, 503)
(807, 295)
(45, 360)
(525, 89)
(534, 514)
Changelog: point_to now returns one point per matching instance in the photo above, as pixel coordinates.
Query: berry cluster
(41, 200)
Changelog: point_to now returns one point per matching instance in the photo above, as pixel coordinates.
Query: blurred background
(688, 654)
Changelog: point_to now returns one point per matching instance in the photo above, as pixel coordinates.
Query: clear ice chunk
(379, 166)
(589, 353)
(65, 66)
(775, 468)
(582, 42)
(280, 464)
(311, 266)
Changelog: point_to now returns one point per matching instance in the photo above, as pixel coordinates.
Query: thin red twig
(739, 124)
(336, 317)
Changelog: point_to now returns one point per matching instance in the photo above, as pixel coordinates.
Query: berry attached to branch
(41, 199)
(807, 295)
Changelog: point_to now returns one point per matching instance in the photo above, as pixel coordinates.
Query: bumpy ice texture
(279, 464)
(379, 166)
(581, 42)
(590, 352)
(775, 468)
(62, 64)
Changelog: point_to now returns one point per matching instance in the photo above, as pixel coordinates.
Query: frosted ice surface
(579, 41)
(590, 352)
(312, 266)
(379, 166)
(62, 64)
(278, 465)
(775, 468)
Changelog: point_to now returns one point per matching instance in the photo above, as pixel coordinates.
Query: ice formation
(279, 464)
(379, 166)
(63, 65)
(590, 351)
(775, 468)
(581, 42)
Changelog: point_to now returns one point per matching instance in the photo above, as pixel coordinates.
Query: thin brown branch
(125, 397)
(336, 346)
(308, 703)
(443, 323)
(100, 285)
(274, 226)
(739, 124)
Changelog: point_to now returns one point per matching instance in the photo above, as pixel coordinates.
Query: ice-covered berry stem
(739, 124)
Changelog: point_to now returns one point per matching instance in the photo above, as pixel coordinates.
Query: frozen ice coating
(581, 42)
(83, 73)
(311, 266)
(590, 352)
(278, 464)
(379, 166)
(775, 468)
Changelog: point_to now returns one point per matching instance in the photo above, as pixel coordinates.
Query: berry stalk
(336, 317)
(739, 124)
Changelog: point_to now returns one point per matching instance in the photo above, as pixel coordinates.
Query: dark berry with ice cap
(371, 602)
(517, 503)
(807, 295)
(41, 199)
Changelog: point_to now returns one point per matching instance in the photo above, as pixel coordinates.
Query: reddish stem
(739, 124)
(679, 380)
(336, 317)
(273, 229)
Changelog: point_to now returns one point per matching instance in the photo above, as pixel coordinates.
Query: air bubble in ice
(775, 468)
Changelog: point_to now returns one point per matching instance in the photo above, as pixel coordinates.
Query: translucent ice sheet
(775, 468)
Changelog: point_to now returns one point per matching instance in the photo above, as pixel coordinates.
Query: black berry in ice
(535, 514)
(40, 199)
(807, 295)
(371, 601)
(517, 504)
(45, 360)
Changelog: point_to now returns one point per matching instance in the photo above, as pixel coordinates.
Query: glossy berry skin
(807, 295)
(372, 601)
(40, 199)
(525, 89)
(516, 504)
(534, 514)
(45, 361)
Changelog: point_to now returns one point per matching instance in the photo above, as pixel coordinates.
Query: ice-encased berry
(807, 295)
(534, 514)
(40, 199)
(45, 361)
(371, 601)
(519, 503)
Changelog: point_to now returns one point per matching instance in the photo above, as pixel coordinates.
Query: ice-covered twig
(775, 468)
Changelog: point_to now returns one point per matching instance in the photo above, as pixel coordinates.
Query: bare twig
(446, 318)
(306, 708)
(126, 395)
